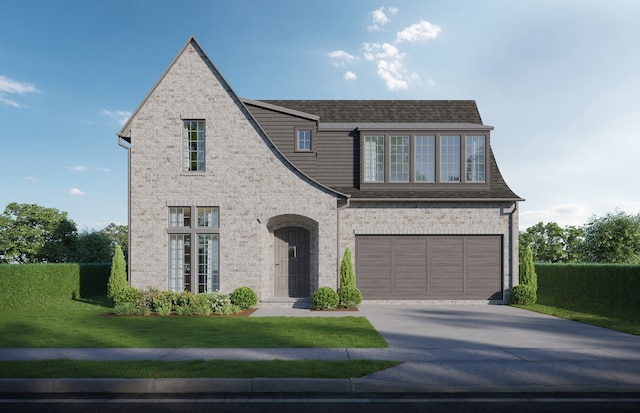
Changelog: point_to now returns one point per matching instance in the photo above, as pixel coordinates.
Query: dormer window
(418, 158)
(303, 140)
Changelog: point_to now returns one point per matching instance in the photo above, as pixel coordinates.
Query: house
(226, 192)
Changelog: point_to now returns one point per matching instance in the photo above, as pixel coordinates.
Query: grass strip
(84, 324)
(619, 319)
(153, 369)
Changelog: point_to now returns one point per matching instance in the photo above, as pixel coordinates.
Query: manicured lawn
(84, 324)
(620, 319)
(192, 369)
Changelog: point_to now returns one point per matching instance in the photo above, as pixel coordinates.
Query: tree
(119, 235)
(93, 247)
(117, 284)
(614, 238)
(551, 243)
(31, 233)
(347, 276)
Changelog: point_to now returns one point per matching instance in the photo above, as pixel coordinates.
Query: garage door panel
(429, 267)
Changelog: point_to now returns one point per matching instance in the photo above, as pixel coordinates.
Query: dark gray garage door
(429, 267)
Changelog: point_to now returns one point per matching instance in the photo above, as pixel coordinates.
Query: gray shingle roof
(386, 111)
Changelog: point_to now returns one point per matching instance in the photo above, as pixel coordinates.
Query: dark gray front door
(291, 262)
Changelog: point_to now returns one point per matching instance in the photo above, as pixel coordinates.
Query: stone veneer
(256, 190)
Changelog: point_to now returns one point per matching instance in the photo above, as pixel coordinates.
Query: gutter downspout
(122, 143)
(513, 251)
(339, 208)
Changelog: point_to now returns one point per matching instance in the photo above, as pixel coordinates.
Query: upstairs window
(399, 165)
(374, 158)
(193, 146)
(475, 158)
(303, 141)
(450, 159)
(425, 159)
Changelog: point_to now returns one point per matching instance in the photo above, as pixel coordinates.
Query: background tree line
(30, 233)
(613, 238)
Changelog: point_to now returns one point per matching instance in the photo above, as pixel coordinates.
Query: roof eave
(437, 199)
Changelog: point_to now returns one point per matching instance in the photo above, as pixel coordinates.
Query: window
(194, 270)
(399, 162)
(303, 143)
(475, 158)
(450, 159)
(425, 159)
(374, 158)
(193, 146)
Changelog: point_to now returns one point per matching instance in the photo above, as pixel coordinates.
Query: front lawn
(619, 319)
(192, 369)
(84, 324)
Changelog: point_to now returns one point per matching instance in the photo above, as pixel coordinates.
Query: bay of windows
(194, 249)
(424, 158)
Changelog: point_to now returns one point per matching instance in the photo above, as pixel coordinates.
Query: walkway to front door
(291, 270)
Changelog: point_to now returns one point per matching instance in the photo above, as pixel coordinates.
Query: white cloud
(121, 116)
(76, 192)
(389, 64)
(379, 18)
(30, 178)
(103, 169)
(563, 214)
(9, 86)
(79, 168)
(350, 76)
(417, 32)
(393, 10)
(340, 58)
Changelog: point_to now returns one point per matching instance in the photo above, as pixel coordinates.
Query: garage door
(429, 267)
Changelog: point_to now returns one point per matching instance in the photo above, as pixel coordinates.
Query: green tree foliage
(614, 239)
(527, 269)
(347, 275)
(551, 243)
(93, 247)
(119, 235)
(30, 233)
(117, 286)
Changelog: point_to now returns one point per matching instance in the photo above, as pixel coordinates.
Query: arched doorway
(291, 262)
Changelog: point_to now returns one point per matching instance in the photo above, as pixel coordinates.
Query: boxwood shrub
(325, 298)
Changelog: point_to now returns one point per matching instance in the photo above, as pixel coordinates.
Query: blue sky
(558, 80)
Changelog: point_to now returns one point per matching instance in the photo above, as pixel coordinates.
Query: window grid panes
(374, 158)
(179, 217)
(193, 150)
(304, 140)
(475, 158)
(450, 158)
(208, 217)
(208, 263)
(179, 262)
(399, 162)
(425, 159)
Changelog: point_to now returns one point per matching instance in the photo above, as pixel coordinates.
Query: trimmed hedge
(612, 285)
(39, 284)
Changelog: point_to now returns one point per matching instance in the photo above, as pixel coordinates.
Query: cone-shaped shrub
(347, 275)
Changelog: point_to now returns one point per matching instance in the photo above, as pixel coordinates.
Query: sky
(558, 79)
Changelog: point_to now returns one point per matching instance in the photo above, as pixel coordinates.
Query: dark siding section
(421, 267)
(331, 161)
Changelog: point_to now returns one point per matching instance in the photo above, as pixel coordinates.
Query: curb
(263, 385)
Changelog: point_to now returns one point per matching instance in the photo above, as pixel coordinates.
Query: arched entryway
(292, 248)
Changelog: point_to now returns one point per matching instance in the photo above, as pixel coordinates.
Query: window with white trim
(194, 249)
(399, 162)
(303, 141)
(374, 158)
(450, 159)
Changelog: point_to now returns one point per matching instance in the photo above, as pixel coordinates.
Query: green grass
(619, 319)
(192, 369)
(84, 324)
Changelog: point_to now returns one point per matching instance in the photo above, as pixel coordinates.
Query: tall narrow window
(450, 158)
(194, 253)
(425, 159)
(303, 142)
(374, 158)
(193, 146)
(399, 162)
(475, 158)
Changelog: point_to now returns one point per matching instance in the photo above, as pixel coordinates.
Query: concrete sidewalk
(448, 348)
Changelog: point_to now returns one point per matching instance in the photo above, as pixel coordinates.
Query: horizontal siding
(429, 267)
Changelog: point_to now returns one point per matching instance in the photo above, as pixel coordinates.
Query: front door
(291, 262)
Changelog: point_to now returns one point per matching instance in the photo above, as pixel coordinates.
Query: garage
(429, 267)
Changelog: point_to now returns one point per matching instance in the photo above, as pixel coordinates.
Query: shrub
(522, 294)
(347, 275)
(349, 296)
(229, 309)
(527, 269)
(218, 300)
(325, 298)
(165, 299)
(201, 304)
(117, 283)
(124, 309)
(185, 309)
(183, 298)
(163, 310)
(244, 297)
